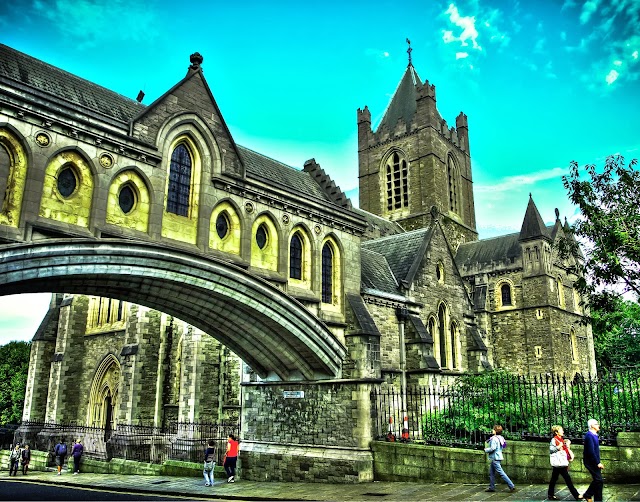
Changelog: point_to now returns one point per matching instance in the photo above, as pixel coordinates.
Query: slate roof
(366, 322)
(403, 103)
(48, 79)
(494, 250)
(376, 273)
(399, 250)
(258, 165)
(387, 227)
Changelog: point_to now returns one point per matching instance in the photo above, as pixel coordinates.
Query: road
(20, 490)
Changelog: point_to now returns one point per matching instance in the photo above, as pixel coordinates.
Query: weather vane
(409, 51)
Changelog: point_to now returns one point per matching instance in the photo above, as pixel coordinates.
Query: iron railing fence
(177, 441)
(463, 413)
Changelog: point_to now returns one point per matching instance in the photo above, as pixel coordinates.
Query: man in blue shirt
(592, 462)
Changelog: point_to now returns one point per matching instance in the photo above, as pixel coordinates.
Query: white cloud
(617, 63)
(462, 55)
(467, 23)
(20, 316)
(611, 77)
(634, 54)
(588, 9)
(539, 47)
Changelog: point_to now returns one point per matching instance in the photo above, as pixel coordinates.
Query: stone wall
(524, 462)
(319, 430)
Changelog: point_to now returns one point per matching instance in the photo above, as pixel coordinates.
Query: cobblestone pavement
(253, 490)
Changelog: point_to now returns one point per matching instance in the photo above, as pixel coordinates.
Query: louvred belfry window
(179, 181)
(397, 188)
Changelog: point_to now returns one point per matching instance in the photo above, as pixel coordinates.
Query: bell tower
(413, 161)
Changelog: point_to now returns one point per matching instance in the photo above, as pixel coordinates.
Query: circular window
(127, 199)
(222, 225)
(261, 237)
(67, 182)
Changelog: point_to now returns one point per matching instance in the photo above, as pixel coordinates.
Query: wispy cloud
(521, 181)
(96, 23)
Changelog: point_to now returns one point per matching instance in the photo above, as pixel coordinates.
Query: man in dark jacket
(592, 462)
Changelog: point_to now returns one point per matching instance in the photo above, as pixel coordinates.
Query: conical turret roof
(533, 227)
(403, 102)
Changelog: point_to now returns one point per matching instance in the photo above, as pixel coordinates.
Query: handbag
(559, 457)
(209, 465)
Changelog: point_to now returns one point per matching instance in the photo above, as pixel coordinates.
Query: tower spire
(409, 52)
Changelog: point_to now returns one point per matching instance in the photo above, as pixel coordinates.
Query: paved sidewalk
(253, 490)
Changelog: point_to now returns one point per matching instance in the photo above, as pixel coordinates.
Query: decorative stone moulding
(249, 207)
(43, 139)
(286, 219)
(317, 229)
(106, 160)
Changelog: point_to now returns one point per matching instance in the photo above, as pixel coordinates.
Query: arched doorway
(103, 397)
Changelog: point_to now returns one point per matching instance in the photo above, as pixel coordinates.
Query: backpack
(61, 449)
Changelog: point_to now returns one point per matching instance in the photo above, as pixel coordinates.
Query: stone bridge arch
(273, 333)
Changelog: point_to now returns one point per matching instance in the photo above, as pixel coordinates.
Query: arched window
(505, 292)
(327, 273)
(67, 181)
(454, 344)
(295, 257)
(560, 288)
(574, 346)
(442, 334)
(454, 189)
(5, 167)
(397, 187)
(179, 191)
(127, 199)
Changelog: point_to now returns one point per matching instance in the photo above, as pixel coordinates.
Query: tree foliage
(14, 367)
(616, 334)
(608, 230)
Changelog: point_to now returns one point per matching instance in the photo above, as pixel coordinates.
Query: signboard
(293, 394)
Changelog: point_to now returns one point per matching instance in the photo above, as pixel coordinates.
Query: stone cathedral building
(402, 281)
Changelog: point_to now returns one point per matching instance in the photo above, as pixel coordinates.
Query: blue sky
(542, 83)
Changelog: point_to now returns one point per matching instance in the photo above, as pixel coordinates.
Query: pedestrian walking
(26, 458)
(14, 459)
(560, 455)
(494, 449)
(209, 463)
(591, 460)
(60, 452)
(76, 453)
(231, 458)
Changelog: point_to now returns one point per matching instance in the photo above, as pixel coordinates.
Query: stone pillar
(65, 390)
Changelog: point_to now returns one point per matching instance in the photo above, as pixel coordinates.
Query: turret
(463, 132)
(364, 127)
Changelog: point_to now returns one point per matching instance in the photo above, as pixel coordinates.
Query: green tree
(608, 231)
(616, 334)
(14, 367)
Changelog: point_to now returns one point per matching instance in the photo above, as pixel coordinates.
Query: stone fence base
(524, 462)
(312, 464)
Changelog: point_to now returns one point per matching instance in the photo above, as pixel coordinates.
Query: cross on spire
(409, 51)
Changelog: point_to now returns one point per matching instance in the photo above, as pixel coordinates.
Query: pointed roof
(533, 227)
(403, 103)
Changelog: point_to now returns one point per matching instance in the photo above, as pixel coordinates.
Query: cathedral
(402, 281)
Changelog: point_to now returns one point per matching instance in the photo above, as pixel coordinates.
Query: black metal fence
(462, 414)
(184, 441)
